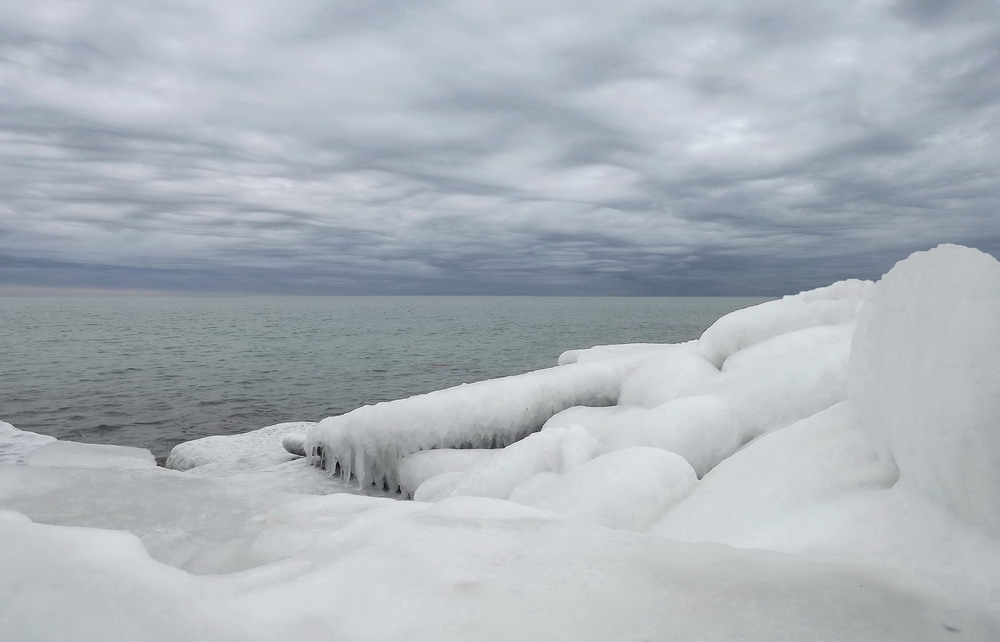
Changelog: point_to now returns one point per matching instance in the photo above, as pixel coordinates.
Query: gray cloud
(638, 147)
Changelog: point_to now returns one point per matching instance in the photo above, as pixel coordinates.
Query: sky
(634, 147)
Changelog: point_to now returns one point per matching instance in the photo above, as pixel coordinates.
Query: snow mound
(628, 489)
(248, 450)
(663, 375)
(420, 466)
(925, 377)
(368, 443)
(559, 450)
(702, 429)
(794, 469)
(778, 388)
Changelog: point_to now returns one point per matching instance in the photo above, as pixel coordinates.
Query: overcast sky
(506, 146)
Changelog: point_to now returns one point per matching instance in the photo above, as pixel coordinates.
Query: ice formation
(76, 455)
(802, 471)
(253, 449)
(782, 361)
(15, 444)
(925, 377)
(369, 442)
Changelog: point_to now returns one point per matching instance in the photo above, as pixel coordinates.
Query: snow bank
(925, 377)
(368, 443)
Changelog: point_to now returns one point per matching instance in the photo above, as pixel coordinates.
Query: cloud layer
(634, 147)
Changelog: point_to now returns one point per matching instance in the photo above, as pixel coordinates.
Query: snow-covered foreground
(821, 467)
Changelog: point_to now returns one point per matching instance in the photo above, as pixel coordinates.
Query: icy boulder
(777, 382)
(664, 374)
(369, 442)
(702, 429)
(253, 449)
(420, 466)
(628, 489)
(925, 377)
(559, 451)
(832, 305)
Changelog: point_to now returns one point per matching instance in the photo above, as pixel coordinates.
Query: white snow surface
(801, 472)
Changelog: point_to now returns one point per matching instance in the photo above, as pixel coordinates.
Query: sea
(156, 371)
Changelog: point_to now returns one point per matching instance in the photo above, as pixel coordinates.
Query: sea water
(155, 371)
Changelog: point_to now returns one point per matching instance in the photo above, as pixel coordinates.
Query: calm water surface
(153, 372)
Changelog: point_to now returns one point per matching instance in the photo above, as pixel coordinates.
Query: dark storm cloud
(635, 147)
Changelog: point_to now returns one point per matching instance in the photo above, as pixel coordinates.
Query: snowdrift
(825, 466)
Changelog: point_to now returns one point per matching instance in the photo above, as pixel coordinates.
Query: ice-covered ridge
(780, 381)
(369, 442)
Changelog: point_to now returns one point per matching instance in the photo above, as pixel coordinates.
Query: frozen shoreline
(842, 444)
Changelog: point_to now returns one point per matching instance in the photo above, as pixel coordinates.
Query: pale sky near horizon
(640, 147)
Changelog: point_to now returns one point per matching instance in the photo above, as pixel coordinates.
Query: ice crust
(801, 472)
(76, 455)
(15, 444)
